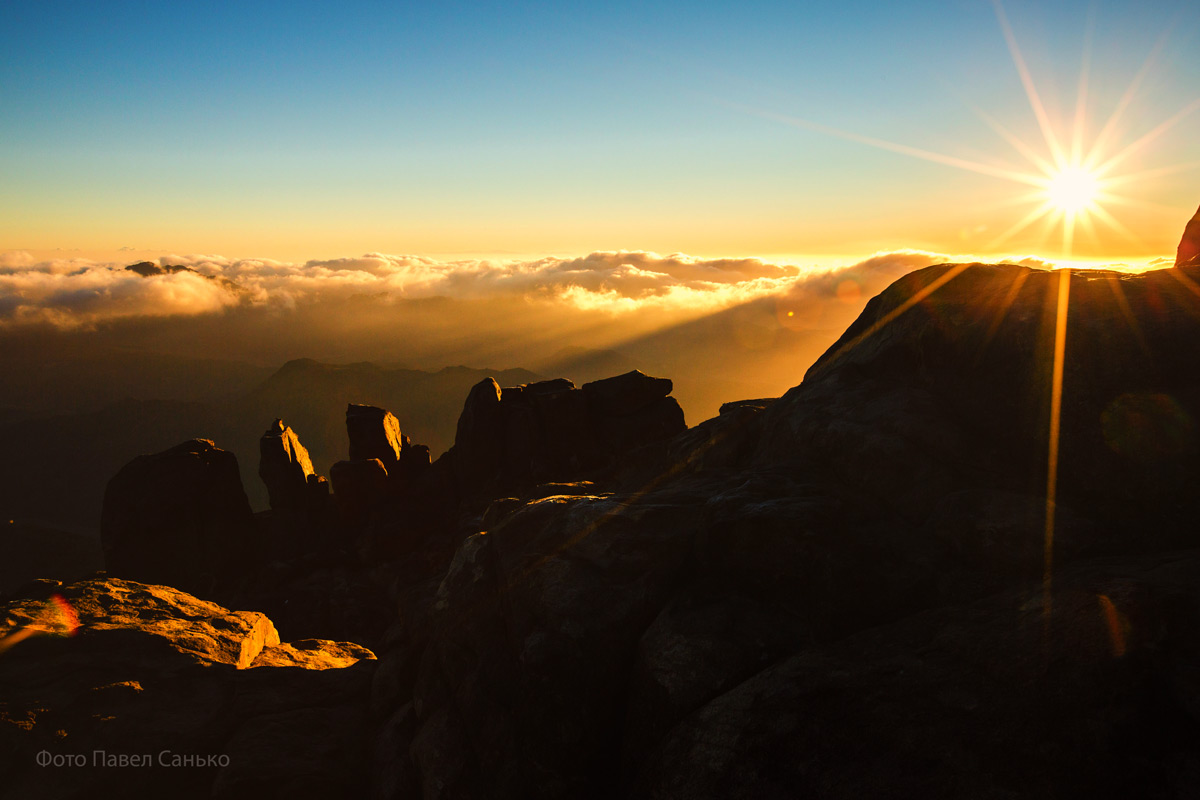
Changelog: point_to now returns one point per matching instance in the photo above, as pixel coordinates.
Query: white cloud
(74, 293)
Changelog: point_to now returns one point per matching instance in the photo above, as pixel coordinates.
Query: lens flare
(57, 618)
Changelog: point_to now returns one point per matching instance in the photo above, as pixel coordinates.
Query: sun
(1073, 190)
(1073, 177)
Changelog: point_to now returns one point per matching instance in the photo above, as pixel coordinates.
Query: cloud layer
(80, 294)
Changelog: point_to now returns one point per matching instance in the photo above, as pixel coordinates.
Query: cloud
(14, 259)
(76, 293)
(80, 294)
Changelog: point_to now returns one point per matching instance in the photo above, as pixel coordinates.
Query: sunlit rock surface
(129, 669)
(311, 654)
(285, 468)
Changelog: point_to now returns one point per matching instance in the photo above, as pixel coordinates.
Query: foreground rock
(993, 699)
(944, 385)
(179, 518)
(130, 669)
(840, 592)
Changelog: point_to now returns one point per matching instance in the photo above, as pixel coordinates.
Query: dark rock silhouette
(374, 433)
(478, 439)
(359, 487)
(509, 440)
(179, 518)
(286, 469)
(1189, 246)
(625, 394)
(954, 394)
(977, 700)
(148, 268)
(84, 404)
(906, 474)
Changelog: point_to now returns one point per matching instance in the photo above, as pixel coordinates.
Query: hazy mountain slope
(42, 375)
(53, 469)
(750, 350)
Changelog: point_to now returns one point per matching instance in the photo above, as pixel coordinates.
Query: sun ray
(916, 152)
(1148, 137)
(1009, 298)
(1035, 101)
(917, 297)
(1114, 283)
(1089, 226)
(1097, 149)
(1049, 222)
(1191, 309)
(1019, 144)
(1116, 225)
(1056, 391)
(1082, 91)
(1145, 205)
(1158, 172)
(1068, 230)
(1072, 189)
(1021, 224)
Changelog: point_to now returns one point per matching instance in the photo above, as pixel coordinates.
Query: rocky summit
(959, 559)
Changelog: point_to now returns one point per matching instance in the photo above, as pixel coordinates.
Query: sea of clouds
(77, 294)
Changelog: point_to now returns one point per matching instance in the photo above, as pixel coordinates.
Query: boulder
(479, 438)
(512, 439)
(659, 421)
(107, 610)
(312, 654)
(285, 468)
(625, 394)
(520, 690)
(374, 433)
(359, 487)
(1189, 246)
(944, 385)
(991, 699)
(181, 518)
(109, 669)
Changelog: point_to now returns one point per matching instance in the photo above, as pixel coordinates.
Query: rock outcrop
(286, 469)
(206, 701)
(509, 440)
(359, 487)
(1189, 246)
(179, 518)
(374, 433)
(944, 384)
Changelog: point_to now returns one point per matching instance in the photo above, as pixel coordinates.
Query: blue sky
(299, 129)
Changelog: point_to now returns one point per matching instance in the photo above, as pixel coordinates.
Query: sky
(798, 133)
